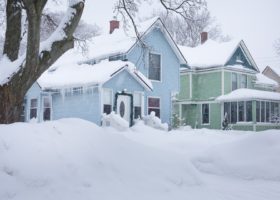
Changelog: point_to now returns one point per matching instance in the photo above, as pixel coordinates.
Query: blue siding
(170, 70)
(85, 106)
(122, 81)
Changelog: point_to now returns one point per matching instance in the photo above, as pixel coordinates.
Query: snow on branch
(50, 50)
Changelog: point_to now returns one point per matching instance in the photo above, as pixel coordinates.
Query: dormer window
(238, 59)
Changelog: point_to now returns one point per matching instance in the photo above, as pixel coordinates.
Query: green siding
(185, 87)
(207, 86)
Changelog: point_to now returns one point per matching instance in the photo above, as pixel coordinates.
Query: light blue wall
(85, 106)
(123, 80)
(170, 70)
(33, 93)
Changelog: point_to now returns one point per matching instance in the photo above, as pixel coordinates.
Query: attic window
(238, 59)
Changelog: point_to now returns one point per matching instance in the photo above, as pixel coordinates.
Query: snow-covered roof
(121, 41)
(276, 70)
(262, 79)
(249, 94)
(75, 75)
(214, 54)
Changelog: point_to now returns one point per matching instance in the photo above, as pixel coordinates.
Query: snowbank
(253, 157)
(75, 159)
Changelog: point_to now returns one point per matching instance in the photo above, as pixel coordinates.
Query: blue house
(120, 73)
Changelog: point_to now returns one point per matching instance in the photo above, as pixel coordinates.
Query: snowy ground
(75, 159)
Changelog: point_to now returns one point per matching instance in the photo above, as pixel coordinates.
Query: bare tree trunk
(13, 30)
(36, 62)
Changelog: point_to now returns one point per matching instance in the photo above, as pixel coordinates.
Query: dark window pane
(233, 112)
(77, 91)
(154, 102)
(249, 111)
(33, 113)
(107, 109)
(262, 111)
(267, 112)
(258, 110)
(137, 112)
(47, 114)
(227, 111)
(205, 113)
(157, 111)
(154, 66)
(241, 111)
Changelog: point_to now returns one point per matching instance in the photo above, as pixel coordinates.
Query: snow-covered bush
(115, 121)
(153, 121)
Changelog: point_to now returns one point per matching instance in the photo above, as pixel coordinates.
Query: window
(258, 110)
(233, 81)
(205, 113)
(154, 66)
(227, 111)
(154, 106)
(77, 90)
(267, 112)
(22, 115)
(47, 108)
(233, 112)
(262, 111)
(107, 101)
(243, 81)
(137, 100)
(249, 111)
(238, 111)
(241, 112)
(33, 108)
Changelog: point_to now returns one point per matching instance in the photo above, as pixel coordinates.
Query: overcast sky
(254, 21)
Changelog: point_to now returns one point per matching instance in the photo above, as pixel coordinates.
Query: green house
(222, 87)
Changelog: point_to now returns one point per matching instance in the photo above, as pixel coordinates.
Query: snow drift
(75, 159)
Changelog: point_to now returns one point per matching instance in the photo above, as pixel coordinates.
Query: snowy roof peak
(214, 54)
(210, 53)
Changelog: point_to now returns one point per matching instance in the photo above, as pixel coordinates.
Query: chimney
(113, 25)
(203, 37)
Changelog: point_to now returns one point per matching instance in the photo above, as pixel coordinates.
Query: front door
(124, 107)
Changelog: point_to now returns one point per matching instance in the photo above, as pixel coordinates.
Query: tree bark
(13, 30)
(36, 62)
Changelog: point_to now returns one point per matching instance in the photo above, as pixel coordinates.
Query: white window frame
(208, 114)
(156, 53)
(155, 97)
